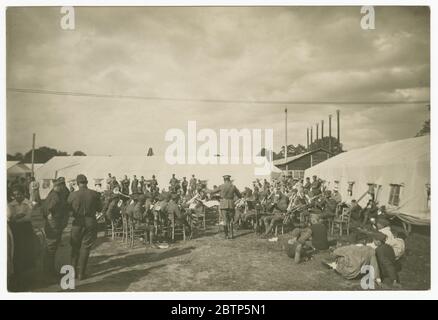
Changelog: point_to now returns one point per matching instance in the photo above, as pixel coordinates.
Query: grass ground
(211, 263)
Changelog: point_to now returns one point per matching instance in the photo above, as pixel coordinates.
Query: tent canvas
(14, 169)
(404, 162)
(98, 167)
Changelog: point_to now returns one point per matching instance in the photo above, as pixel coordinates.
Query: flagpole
(285, 138)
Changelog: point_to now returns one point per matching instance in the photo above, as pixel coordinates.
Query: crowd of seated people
(152, 209)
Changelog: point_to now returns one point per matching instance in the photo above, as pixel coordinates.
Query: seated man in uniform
(336, 195)
(356, 220)
(329, 206)
(250, 207)
(280, 203)
(315, 186)
(300, 236)
(178, 216)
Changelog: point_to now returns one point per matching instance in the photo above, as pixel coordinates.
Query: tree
(324, 143)
(150, 153)
(425, 130)
(43, 154)
(79, 153)
(18, 156)
(291, 151)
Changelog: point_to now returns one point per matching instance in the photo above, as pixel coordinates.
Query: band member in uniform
(192, 185)
(134, 185)
(142, 185)
(56, 213)
(109, 180)
(125, 185)
(85, 203)
(184, 185)
(154, 184)
(227, 191)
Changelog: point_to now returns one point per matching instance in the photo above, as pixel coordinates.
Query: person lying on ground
(348, 261)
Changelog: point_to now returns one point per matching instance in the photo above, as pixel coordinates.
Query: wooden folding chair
(342, 222)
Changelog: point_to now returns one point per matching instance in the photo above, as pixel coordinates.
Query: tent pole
(285, 138)
(33, 154)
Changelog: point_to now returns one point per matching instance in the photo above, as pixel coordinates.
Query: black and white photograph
(217, 149)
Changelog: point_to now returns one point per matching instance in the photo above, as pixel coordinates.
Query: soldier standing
(85, 203)
(227, 192)
(134, 185)
(142, 185)
(154, 184)
(192, 185)
(184, 185)
(56, 213)
(125, 185)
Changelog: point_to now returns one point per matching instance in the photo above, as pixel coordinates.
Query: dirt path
(211, 263)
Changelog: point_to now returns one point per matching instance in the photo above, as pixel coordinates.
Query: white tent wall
(98, 167)
(403, 162)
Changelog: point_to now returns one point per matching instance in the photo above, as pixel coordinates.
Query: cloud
(252, 53)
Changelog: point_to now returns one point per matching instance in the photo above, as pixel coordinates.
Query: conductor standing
(85, 203)
(227, 192)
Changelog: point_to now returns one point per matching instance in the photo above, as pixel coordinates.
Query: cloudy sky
(275, 54)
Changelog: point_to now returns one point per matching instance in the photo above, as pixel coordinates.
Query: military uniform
(192, 185)
(280, 207)
(184, 185)
(84, 203)
(154, 185)
(134, 186)
(56, 214)
(142, 185)
(316, 187)
(125, 186)
(175, 215)
(226, 205)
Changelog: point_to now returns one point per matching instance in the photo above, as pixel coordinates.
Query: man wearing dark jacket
(56, 213)
(85, 203)
(386, 260)
(227, 192)
(134, 185)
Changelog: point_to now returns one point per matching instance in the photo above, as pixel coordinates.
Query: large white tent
(405, 163)
(98, 167)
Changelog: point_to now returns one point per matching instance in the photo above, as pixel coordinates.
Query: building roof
(282, 161)
(10, 164)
